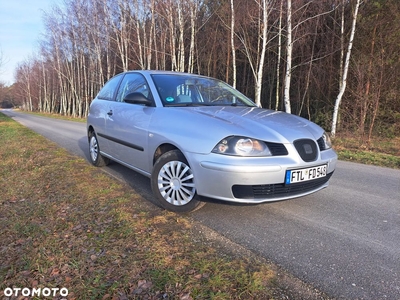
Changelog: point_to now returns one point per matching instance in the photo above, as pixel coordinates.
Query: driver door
(128, 124)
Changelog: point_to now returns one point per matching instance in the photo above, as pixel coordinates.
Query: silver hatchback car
(196, 136)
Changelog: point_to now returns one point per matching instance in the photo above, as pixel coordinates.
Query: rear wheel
(94, 152)
(173, 183)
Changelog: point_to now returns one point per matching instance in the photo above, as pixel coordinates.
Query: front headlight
(242, 146)
(326, 141)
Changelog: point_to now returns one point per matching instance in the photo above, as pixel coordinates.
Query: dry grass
(379, 152)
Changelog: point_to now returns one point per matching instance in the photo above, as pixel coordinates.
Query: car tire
(172, 182)
(94, 152)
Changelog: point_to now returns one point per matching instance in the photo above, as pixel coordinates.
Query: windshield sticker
(170, 99)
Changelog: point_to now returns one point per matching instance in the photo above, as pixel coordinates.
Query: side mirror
(137, 98)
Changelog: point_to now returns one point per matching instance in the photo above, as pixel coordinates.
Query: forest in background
(288, 55)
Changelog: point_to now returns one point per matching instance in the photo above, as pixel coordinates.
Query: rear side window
(109, 89)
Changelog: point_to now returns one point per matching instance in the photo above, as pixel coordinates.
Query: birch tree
(193, 12)
(121, 29)
(46, 103)
(56, 40)
(99, 38)
(233, 45)
(264, 37)
(24, 73)
(150, 35)
(345, 70)
(170, 9)
(289, 50)
(181, 43)
(256, 58)
(278, 67)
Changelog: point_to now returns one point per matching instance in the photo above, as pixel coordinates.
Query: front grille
(270, 191)
(307, 149)
(277, 149)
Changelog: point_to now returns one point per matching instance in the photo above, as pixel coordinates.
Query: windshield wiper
(187, 104)
(194, 104)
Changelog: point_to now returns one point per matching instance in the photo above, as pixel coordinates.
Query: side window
(133, 82)
(108, 91)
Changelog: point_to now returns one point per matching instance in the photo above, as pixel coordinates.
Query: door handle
(110, 112)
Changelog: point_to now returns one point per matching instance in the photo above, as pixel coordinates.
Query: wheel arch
(90, 129)
(164, 148)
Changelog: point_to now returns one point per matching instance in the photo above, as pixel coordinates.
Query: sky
(20, 27)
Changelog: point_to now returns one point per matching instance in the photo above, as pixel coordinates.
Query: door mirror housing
(137, 98)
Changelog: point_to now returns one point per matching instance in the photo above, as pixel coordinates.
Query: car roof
(151, 72)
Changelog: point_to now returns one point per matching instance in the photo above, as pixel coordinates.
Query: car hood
(268, 125)
(199, 129)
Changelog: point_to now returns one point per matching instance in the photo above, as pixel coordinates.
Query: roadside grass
(55, 116)
(379, 152)
(66, 224)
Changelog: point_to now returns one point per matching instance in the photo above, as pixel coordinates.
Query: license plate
(306, 174)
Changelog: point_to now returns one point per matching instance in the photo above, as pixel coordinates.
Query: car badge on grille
(307, 149)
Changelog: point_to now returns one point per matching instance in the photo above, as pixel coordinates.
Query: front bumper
(255, 179)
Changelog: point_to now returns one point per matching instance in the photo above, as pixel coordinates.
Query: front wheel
(94, 152)
(173, 183)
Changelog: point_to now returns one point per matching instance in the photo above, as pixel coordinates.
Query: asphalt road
(343, 240)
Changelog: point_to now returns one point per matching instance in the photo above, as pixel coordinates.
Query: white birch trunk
(345, 71)
(172, 38)
(181, 45)
(152, 26)
(278, 67)
(139, 40)
(233, 44)
(289, 49)
(257, 63)
(264, 38)
(193, 10)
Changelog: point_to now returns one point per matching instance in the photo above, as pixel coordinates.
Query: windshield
(192, 90)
